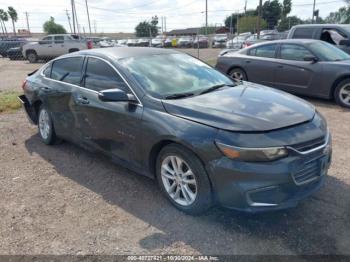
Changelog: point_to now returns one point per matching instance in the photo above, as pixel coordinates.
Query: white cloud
(123, 15)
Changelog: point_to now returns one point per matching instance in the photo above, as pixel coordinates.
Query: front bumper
(281, 184)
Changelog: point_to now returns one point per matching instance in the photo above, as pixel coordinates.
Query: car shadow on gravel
(319, 225)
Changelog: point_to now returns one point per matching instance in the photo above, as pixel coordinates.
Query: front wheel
(183, 179)
(32, 57)
(45, 125)
(342, 93)
(238, 74)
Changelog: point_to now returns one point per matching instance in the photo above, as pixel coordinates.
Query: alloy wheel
(344, 94)
(44, 124)
(178, 180)
(238, 75)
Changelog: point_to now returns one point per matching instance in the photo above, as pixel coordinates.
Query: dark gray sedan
(305, 67)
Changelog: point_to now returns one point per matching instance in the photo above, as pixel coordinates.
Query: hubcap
(344, 94)
(44, 124)
(237, 75)
(179, 180)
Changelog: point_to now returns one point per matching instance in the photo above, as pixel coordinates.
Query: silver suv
(53, 46)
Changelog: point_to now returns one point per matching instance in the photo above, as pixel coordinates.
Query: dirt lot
(63, 200)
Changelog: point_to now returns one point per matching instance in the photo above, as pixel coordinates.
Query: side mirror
(310, 58)
(115, 95)
(345, 42)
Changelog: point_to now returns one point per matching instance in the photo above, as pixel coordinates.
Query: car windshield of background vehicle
(328, 52)
(165, 75)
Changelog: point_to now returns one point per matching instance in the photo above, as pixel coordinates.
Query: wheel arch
(336, 82)
(36, 106)
(30, 51)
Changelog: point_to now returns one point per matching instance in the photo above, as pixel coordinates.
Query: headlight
(252, 154)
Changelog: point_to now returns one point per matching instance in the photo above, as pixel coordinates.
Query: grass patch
(211, 62)
(9, 101)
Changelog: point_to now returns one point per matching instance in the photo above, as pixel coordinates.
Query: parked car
(54, 45)
(7, 43)
(335, 34)
(185, 41)
(305, 67)
(237, 42)
(205, 138)
(219, 41)
(143, 42)
(122, 42)
(95, 40)
(201, 41)
(253, 39)
(158, 41)
(131, 42)
(14, 53)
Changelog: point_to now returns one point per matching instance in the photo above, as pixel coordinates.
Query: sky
(124, 15)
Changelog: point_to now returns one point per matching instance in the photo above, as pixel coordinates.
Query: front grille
(310, 172)
(308, 145)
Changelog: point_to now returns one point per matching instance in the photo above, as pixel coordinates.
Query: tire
(238, 74)
(342, 93)
(193, 198)
(32, 56)
(45, 127)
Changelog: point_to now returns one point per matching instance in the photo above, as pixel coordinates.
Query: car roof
(289, 41)
(125, 52)
(322, 25)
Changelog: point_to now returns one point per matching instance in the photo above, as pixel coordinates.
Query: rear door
(113, 127)
(59, 45)
(44, 48)
(59, 84)
(293, 74)
(260, 64)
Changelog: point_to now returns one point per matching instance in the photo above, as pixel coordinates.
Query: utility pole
(162, 20)
(68, 17)
(76, 17)
(95, 26)
(245, 7)
(313, 12)
(73, 15)
(26, 13)
(165, 24)
(206, 17)
(87, 11)
(259, 18)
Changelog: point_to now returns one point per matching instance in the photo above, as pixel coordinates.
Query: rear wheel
(46, 129)
(342, 93)
(183, 179)
(32, 56)
(238, 74)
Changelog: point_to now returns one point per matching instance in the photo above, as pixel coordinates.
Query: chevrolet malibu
(206, 139)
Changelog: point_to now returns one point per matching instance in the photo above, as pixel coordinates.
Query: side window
(59, 39)
(47, 71)
(68, 70)
(101, 76)
(46, 40)
(332, 36)
(294, 52)
(252, 52)
(303, 33)
(266, 51)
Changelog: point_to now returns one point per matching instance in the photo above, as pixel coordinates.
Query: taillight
(24, 84)
(89, 44)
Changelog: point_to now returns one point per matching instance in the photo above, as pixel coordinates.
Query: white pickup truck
(53, 46)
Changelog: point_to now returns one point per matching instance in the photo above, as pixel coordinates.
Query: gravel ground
(63, 200)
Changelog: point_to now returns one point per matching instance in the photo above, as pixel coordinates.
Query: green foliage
(145, 29)
(287, 22)
(250, 12)
(3, 15)
(14, 17)
(211, 30)
(9, 101)
(286, 7)
(271, 12)
(51, 27)
(248, 24)
(342, 16)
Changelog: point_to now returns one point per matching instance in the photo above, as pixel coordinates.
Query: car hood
(246, 107)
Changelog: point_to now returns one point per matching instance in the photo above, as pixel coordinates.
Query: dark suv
(338, 35)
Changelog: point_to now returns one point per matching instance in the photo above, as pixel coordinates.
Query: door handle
(83, 100)
(46, 89)
(248, 61)
(280, 66)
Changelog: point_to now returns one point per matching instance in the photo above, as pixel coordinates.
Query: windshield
(165, 75)
(328, 52)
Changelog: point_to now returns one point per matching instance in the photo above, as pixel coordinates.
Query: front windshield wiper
(179, 95)
(212, 88)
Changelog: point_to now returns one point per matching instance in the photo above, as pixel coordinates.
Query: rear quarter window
(303, 33)
(68, 70)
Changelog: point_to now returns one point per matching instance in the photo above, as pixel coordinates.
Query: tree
(286, 23)
(14, 17)
(51, 27)
(248, 24)
(147, 29)
(286, 7)
(342, 16)
(271, 12)
(3, 18)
